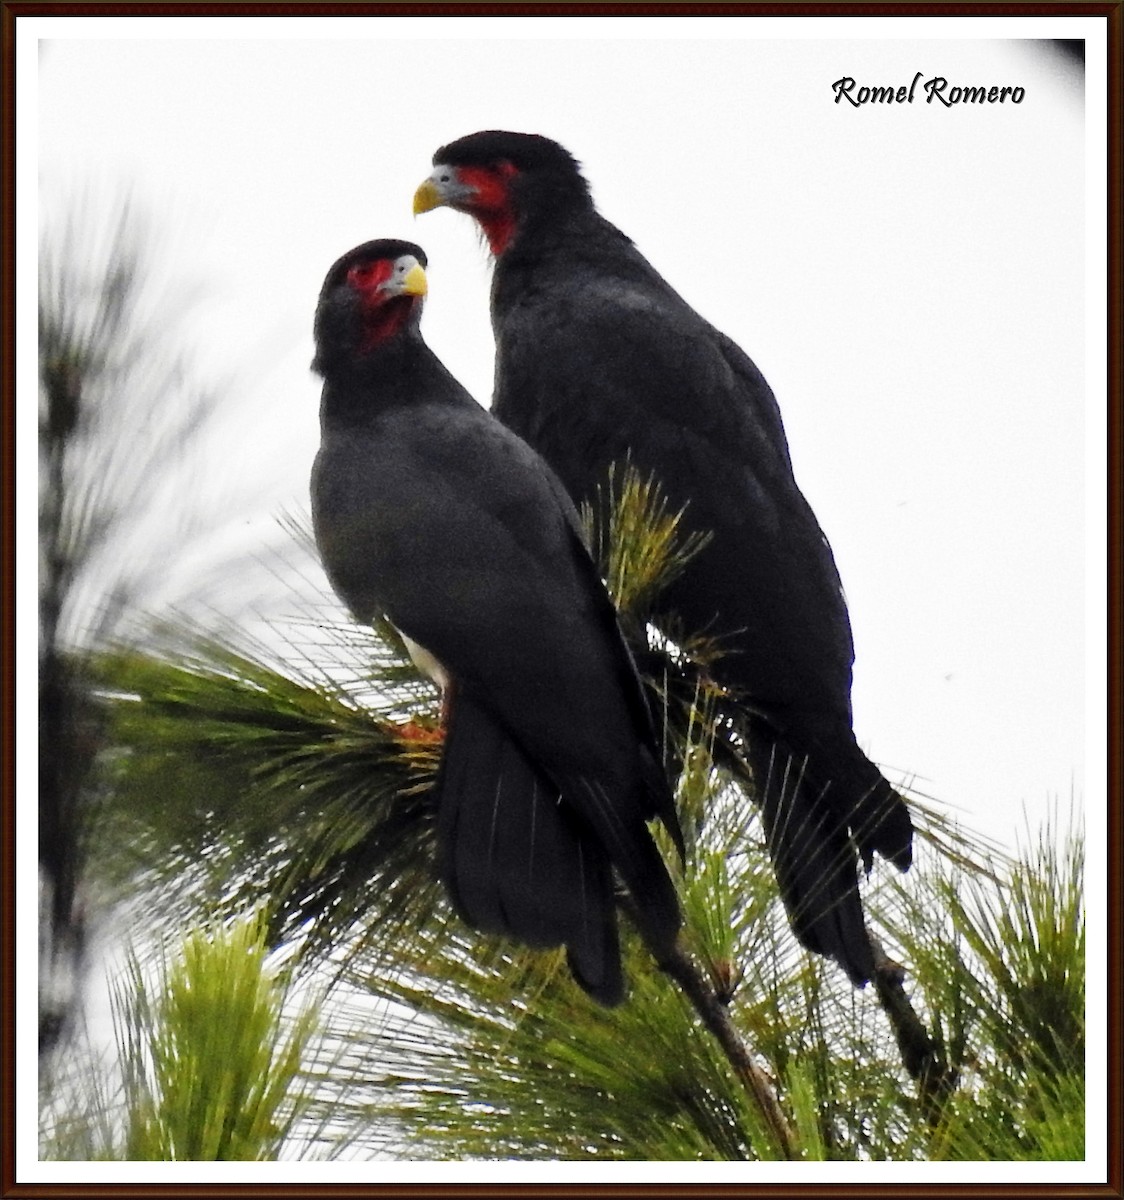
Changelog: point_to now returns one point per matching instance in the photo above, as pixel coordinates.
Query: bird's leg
(417, 732)
(428, 665)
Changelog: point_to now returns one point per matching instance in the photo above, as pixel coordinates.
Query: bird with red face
(599, 360)
(427, 510)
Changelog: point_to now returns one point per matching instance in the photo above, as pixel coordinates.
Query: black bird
(429, 511)
(598, 358)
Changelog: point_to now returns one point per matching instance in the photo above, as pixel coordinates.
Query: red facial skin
(491, 201)
(387, 313)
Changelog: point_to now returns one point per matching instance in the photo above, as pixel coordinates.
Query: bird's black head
(371, 297)
(504, 180)
(527, 151)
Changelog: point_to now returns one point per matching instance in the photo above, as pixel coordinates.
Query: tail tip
(602, 979)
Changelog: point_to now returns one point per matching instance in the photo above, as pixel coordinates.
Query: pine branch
(921, 1054)
(716, 1018)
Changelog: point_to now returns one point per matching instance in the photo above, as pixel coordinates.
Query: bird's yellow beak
(414, 283)
(427, 197)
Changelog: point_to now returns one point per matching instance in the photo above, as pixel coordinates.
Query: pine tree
(299, 786)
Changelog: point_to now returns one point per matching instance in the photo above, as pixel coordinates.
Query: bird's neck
(549, 252)
(359, 387)
(541, 228)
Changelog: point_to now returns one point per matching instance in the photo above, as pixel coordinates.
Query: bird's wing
(451, 526)
(670, 392)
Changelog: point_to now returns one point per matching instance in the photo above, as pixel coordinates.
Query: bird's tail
(814, 858)
(618, 821)
(876, 814)
(515, 860)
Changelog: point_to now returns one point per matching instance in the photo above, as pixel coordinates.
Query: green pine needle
(636, 537)
(210, 1071)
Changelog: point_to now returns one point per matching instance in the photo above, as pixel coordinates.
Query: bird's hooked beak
(408, 278)
(442, 189)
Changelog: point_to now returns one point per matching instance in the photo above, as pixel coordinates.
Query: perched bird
(599, 359)
(427, 510)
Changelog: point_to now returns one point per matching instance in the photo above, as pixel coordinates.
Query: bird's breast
(425, 662)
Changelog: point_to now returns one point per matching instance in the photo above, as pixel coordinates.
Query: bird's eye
(444, 178)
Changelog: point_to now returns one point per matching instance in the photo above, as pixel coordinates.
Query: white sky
(910, 279)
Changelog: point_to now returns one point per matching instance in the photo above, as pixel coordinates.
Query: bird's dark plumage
(426, 509)
(598, 358)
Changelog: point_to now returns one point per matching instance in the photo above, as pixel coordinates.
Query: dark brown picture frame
(11, 14)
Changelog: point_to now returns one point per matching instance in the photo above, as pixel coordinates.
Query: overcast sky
(910, 278)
